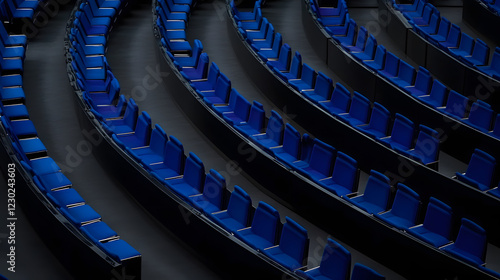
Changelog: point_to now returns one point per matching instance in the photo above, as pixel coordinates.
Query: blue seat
(307, 79)
(208, 82)
(172, 161)
(240, 113)
(289, 152)
(169, 14)
(442, 34)
(210, 201)
(126, 123)
(139, 137)
(480, 54)
(426, 149)
(369, 51)
(401, 135)
(436, 96)
(410, 7)
(431, 28)
(404, 211)
(106, 111)
(362, 272)
(470, 245)
(391, 66)
(156, 144)
(361, 38)
(284, 58)
(336, 26)
(335, 264)
(14, 111)
(339, 102)
(252, 24)
(480, 116)
(406, 75)
(417, 12)
(239, 15)
(377, 63)
(273, 136)
(68, 197)
(178, 8)
(455, 105)
(344, 176)
(220, 94)
(379, 122)
(453, 39)
(375, 199)
(192, 60)
(359, 111)
(236, 216)
(80, 215)
(176, 47)
(322, 91)
(197, 72)
(263, 230)
(318, 166)
(12, 40)
(496, 127)
(295, 69)
(264, 42)
(52, 181)
(273, 52)
(259, 33)
(120, 250)
(191, 181)
(480, 171)
(465, 47)
(436, 229)
(255, 123)
(293, 246)
(330, 16)
(425, 18)
(494, 67)
(348, 37)
(105, 8)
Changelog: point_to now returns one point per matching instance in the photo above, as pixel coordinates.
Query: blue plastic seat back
(360, 107)
(406, 203)
(456, 104)
(214, 187)
(438, 92)
(257, 116)
(322, 157)
(453, 36)
(481, 167)
(379, 119)
(213, 73)
(427, 145)
(380, 56)
(194, 172)
(351, 30)
(239, 205)
(481, 115)
(296, 66)
(223, 87)
(291, 141)
(495, 61)
(345, 171)
(362, 272)
(402, 131)
(378, 189)
(370, 46)
(143, 127)
(158, 140)
(174, 155)
(444, 27)
(336, 261)
(466, 44)
(285, 57)
(265, 222)
(481, 52)
(391, 64)
(406, 73)
(131, 113)
(294, 240)
(275, 127)
(438, 218)
(472, 239)
(277, 42)
(341, 97)
(361, 38)
(308, 75)
(323, 86)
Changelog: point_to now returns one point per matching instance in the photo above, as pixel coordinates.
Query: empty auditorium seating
(289, 152)
(210, 200)
(264, 227)
(375, 199)
(359, 111)
(340, 101)
(437, 95)
(470, 244)
(343, 180)
(401, 135)
(318, 166)
(436, 228)
(237, 214)
(480, 171)
(379, 122)
(273, 136)
(404, 210)
(480, 116)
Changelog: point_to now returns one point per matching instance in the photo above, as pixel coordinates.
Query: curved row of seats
(420, 84)
(45, 172)
(372, 119)
(428, 22)
(163, 156)
(305, 156)
(15, 10)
